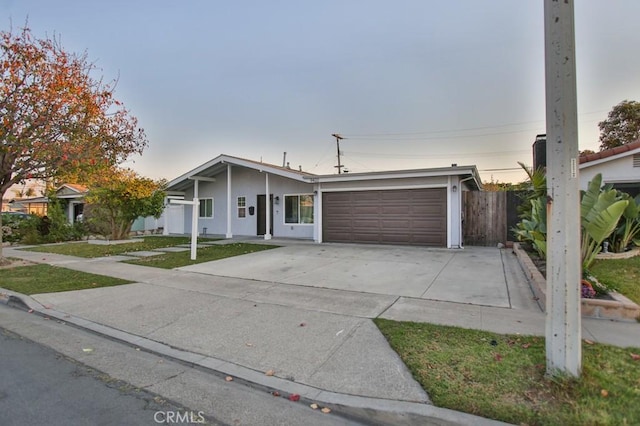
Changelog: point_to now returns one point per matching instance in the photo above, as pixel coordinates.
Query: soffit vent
(636, 160)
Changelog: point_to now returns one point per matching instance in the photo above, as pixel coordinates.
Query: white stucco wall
(613, 171)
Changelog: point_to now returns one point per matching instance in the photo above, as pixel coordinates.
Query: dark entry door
(261, 215)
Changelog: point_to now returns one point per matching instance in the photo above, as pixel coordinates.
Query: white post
(563, 328)
(195, 204)
(317, 213)
(267, 232)
(165, 226)
(194, 226)
(229, 209)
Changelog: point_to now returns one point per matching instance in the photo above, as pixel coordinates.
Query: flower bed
(618, 308)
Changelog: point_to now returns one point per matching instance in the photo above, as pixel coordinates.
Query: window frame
(200, 204)
(242, 207)
(299, 196)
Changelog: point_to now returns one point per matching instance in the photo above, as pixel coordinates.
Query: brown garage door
(408, 216)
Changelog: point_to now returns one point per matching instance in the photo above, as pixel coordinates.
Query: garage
(394, 216)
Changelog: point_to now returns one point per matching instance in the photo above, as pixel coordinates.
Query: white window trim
(284, 212)
(212, 208)
(238, 207)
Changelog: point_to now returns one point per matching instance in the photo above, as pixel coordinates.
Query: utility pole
(563, 321)
(338, 139)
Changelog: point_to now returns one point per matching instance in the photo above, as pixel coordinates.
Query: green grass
(83, 249)
(502, 377)
(205, 254)
(622, 275)
(43, 278)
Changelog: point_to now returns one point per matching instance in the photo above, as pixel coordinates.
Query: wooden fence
(489, 217)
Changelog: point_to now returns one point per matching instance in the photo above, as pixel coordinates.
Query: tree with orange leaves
(57, 119)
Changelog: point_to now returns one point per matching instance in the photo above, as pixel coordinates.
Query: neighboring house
(620, 166)
(74, 195)
(34, 205)
(417, 207)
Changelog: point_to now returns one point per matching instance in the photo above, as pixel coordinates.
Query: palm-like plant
(532, 227)
(600, 211)
(629, 226)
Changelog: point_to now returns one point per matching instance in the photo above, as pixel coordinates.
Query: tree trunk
(3, 261)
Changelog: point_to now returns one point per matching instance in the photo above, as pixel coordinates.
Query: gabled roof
(71, 190)
(610, 154)
(75, 187)
(219, 164)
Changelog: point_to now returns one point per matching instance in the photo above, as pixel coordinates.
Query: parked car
(17, 215)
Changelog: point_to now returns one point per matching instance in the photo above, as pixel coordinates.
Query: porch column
(449, 221)
(70, 209)
(267, 232)
(195, 213)
(317, 213)
(229, 209)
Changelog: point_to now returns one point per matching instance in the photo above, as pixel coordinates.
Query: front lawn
(204, 254)
(84, 249)
(622, 275)
(43, 278)
(502, 377)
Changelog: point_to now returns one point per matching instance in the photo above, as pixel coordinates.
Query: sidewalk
(320, 342)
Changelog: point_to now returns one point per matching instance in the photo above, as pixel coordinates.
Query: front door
(261, 215)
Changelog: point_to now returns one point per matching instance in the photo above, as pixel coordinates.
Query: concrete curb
(364, 409)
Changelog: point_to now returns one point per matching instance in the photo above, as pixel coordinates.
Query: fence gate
(485, 218)
(489, 217)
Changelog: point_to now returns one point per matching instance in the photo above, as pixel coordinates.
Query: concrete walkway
(300, 311)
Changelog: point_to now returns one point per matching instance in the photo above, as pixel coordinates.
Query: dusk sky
(408, 83)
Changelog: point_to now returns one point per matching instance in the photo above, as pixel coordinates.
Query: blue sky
(408, 83)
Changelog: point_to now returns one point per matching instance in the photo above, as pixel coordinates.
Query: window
(298, 209)
(242, 207)
(206, 207)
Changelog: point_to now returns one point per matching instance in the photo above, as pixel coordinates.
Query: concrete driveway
(474, 275)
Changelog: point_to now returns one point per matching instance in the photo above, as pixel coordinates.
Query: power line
(469, 129)
(427, 156)
(424, 138)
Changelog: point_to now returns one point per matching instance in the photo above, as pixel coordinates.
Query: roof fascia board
(202, 178)
(195, 171)
(397, 174)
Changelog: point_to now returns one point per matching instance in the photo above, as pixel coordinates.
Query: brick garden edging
(619, 309)
(623, 255)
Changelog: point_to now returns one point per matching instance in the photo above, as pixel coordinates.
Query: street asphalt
(304, 311)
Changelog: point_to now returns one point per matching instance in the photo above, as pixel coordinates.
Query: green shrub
(11, 227)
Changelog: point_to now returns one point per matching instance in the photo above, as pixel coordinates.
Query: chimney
(284, 159)
(540, 152)
(288, 166)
